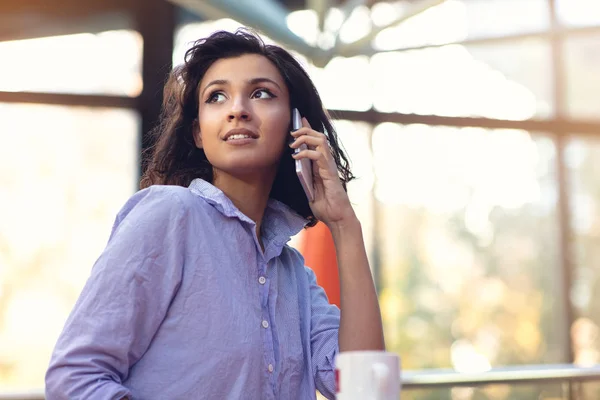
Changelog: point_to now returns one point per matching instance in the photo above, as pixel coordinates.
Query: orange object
(318, 249)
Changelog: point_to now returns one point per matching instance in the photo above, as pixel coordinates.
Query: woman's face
(243, 116)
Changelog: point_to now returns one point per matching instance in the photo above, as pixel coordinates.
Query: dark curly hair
(174, 159)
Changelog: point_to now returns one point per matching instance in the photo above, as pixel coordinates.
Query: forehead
(241, 69)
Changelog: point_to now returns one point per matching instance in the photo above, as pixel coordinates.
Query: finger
(321, 159)
(301, 132)
(318, 143)
(308, 132)
(321, 166)
(311, 141)
(313, 155)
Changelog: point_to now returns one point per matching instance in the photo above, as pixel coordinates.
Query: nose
(239, 110)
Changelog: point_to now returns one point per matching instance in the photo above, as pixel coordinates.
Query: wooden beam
(552, 126)
(564, 313)
(155, 20)
(556, 126)
(67, 99)
(37, 18)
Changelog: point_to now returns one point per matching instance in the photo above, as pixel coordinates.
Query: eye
(262, 94)
(216, 97)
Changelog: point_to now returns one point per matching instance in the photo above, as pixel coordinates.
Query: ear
(196, 134)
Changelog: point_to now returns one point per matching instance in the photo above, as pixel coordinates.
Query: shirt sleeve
(123, 302)
(324, 328)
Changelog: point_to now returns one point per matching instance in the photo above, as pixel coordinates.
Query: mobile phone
(304, 166)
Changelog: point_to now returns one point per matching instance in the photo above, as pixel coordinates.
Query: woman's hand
(331, 204)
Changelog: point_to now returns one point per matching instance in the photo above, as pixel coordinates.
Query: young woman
(197, 295)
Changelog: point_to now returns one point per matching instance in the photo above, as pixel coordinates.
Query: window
(467, 218)
(504, 81)
(103, 63)
(355, 138)
(582, 60)
(64, 175)
(578, 12)
(583, 156)
(339, 84)
(458, 20)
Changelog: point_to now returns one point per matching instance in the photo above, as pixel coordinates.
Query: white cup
(367, 375)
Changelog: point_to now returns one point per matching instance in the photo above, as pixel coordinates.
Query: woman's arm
(358, 325)
(123, 302)
(360, 318)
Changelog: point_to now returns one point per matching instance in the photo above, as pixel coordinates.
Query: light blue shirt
(184, 304)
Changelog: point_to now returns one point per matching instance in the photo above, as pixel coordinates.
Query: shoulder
(157, 197)
(295, 261)
(293, 257)
(156, 203)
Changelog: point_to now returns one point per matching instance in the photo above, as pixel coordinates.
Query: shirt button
(271, 368)
(265, 323)
(262, 280)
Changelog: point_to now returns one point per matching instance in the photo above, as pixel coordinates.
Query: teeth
(240, 136)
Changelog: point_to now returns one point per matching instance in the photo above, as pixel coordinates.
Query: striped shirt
(184, 304)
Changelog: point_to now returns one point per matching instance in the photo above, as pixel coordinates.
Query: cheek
(208, 124)
(279, 125)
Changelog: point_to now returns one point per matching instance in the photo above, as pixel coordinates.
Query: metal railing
(525, 374)
(570, 375)
(30, 395)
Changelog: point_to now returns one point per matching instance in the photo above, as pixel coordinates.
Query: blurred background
(473, 127)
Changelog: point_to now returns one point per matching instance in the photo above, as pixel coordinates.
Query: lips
(239, 133)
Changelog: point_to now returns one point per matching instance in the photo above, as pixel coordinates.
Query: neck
(249, 194)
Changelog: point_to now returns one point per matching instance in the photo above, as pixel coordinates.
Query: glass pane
(493, 392)
(505, 81)
(355, 138)
(64, 174)
(583, 161)
(187, 34)
(468, 246)
(344, 83)
(578, 12)
(582, 58)
(87, 63)
(591, 390)
(459, 20)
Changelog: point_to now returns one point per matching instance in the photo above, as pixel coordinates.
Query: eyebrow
(252, 81)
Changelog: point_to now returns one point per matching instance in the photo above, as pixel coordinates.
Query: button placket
(267, 330)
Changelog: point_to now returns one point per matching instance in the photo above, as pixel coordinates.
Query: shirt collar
(280, 222)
